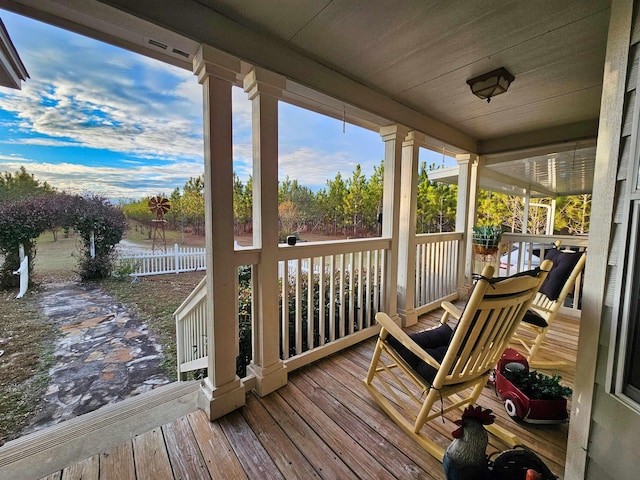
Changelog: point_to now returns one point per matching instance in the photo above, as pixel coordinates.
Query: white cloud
(312, 167)
(131, 182)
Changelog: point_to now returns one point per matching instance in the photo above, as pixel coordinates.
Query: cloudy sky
(96, 118)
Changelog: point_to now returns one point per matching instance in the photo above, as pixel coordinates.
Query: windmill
(159, 205)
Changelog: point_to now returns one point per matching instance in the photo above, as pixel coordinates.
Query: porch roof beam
(527, 187)
(542, 140)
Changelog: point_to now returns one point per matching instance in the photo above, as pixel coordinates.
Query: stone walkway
(103, 354)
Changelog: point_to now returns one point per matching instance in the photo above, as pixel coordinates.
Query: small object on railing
(291, 240)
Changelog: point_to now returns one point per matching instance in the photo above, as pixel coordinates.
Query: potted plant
(486, 239)
(529, 395)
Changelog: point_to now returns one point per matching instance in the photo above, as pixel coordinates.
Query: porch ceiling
(405, 62)
(567, 169)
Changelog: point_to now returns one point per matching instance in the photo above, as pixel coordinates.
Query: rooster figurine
(466, 458)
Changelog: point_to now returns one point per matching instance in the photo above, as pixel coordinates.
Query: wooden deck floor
(323, 424)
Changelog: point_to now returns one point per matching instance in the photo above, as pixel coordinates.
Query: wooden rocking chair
(418, 377)
(567, 266)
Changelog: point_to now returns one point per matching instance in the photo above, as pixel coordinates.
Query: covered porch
(322, 424)
(313, 304)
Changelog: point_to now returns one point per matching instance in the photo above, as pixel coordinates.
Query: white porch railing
(436, 269)
(329, 297)
(176, 260)
(330, 292)
(191, 331)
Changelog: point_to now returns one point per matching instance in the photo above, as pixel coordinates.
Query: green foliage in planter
(538, 386)
(487, 236)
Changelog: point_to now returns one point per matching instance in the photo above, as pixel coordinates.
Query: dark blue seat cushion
(534, 319)
(434, 341)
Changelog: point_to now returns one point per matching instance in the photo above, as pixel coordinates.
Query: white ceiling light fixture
(491, 84)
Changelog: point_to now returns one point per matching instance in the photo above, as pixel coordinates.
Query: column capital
(463, 158)
(263, 82)
(393, 132)
(414, 138)
(210, 61)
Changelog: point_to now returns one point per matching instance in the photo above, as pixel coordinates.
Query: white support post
(222, 391)
(551, 219)
(264, 89)
(176, 257)
(393, 136)
(465, 162)
(472, 208)
(525, 211)
(92, 245)
(407, 229)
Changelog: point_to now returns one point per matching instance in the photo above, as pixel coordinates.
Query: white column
(407, 229)
(222, 391)
(393, 136)
(468, 203)
(264, 89)
(462, 215)
(525, 210)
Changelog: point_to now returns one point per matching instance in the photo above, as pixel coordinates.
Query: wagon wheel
(511, 408)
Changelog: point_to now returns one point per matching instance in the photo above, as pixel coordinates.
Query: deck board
(288, 458)
(254, 458)
(88, 469)
(322, 424)
(218, 454)
(118, 463)
(151, 457)
(184, 453)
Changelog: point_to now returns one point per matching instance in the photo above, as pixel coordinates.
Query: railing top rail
(318, 249)
(247, 255)
(567, 240)
(199, 291)
(438, 237)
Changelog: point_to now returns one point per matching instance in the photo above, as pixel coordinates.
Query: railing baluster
(284, 277)
(298, 321)
(321, 301)
(310, 304)
(332, 298)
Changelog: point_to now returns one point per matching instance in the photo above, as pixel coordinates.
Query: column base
(217, 402)
(269, 379)
(408, 317)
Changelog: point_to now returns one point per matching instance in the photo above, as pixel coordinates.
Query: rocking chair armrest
(390, 327)
(450, 309)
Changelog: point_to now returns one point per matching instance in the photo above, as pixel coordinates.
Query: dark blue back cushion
(563, 265)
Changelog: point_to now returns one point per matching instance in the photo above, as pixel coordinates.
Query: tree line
(348, 206)
(351, 206)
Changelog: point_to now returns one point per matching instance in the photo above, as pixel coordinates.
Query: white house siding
(615, 427)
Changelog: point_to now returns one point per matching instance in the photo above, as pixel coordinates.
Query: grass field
(26, 336)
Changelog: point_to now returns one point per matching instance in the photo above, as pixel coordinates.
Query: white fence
(186, 259)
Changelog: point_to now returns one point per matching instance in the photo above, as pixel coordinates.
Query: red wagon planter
(517, 403)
